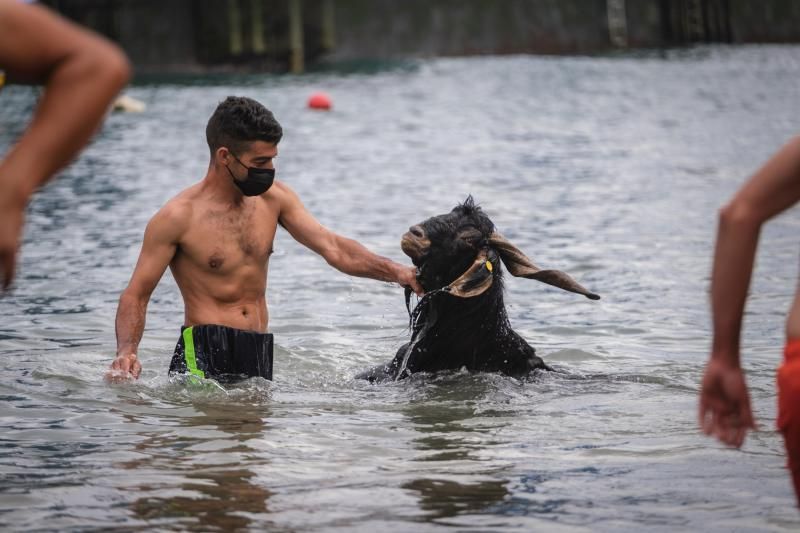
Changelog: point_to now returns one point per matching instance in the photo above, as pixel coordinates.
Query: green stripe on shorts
(188, 353)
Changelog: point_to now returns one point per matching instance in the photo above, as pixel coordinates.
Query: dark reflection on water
(440, 416)
(608, 167)
(218, 496)
(440, 413)
(443, 498)
(218, 500)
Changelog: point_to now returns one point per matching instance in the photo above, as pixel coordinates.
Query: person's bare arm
(724, 409)
(158, 248)
(346, 255)
(82, 72)
(773, 189)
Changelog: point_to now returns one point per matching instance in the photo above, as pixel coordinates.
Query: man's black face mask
(257, 182)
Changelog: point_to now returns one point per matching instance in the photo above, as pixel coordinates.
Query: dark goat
(461, 320)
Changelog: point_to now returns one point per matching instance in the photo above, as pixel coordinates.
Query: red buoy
(320, 101)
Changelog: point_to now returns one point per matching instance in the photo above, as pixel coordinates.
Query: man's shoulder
(177, 212)
(283, 194)
(279, 188)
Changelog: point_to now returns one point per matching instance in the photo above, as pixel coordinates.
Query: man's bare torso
(221, 259)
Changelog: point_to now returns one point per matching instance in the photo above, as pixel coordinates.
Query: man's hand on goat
(407, 277)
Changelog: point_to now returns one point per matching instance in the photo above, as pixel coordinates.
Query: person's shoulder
(175, 215)
(280, 188)
(179, 207)
(283, 194)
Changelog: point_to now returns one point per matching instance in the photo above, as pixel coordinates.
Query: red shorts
(789, 409)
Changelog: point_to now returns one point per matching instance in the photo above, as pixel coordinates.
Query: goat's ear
(471, 236)
(519, 265)
(476, 280)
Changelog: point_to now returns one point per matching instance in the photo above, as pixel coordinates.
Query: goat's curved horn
(519, 265)
(475, 281)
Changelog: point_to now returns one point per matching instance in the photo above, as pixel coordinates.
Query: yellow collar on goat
(478, 278)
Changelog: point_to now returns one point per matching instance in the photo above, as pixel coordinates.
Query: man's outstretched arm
(158, 249)
(724, 409)
(82, 72)
(342, 253)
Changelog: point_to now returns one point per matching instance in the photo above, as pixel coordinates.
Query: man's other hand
(124, 368)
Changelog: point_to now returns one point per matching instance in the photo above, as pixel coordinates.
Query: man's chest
(220, 241)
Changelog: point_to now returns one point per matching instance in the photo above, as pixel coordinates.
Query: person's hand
(12, 215)
(124, 368)
(407, 277)
(724, 410)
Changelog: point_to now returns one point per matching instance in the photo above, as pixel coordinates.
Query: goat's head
(460, 252)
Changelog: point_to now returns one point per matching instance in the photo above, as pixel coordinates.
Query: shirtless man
(81, 73)
(216, 237)
(724, 409)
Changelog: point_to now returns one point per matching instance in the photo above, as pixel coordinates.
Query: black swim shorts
(222, 353)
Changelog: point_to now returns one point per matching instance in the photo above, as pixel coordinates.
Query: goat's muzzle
(415, 244)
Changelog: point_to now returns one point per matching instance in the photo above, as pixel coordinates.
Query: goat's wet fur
(461, 321)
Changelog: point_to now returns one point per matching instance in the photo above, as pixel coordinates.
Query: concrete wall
(156, 33)
(653, 23)
(765, 21)
(387, 28)
(645, 23)
(202, 35)
(190, 35)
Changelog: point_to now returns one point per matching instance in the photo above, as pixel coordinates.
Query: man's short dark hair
(239, 120)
